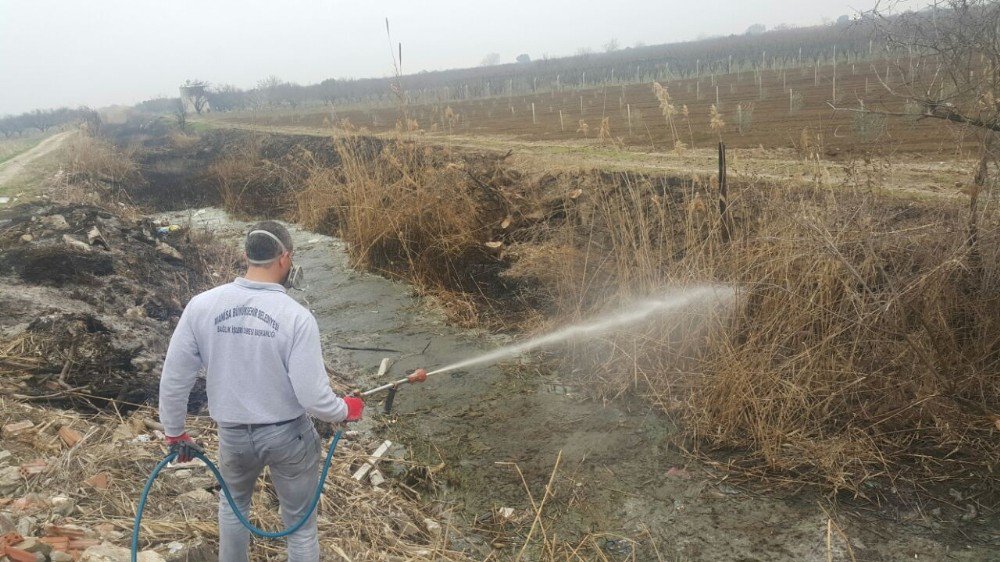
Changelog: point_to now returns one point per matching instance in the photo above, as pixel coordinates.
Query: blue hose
(225, 490)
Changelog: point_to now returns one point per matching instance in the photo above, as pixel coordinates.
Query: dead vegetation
(862, 352)
(419, 213)
(71, 481)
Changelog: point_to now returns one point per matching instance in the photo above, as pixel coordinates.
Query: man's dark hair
(261, 244)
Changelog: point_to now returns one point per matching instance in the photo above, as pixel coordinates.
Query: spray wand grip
(420, 375)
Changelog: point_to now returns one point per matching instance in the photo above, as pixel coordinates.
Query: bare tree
(946, 66)
(196, 92)
(611, 46)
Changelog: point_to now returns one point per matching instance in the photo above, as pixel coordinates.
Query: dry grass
(97, 172)
(862, 352)
(11, 147)
(408, 211)
(95, 161)
(356, 521)
(250, 184)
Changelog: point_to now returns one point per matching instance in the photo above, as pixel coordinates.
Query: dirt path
(906, 175)
(11, 168)
(620, 479)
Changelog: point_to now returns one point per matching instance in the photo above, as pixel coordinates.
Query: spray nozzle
(420, 375)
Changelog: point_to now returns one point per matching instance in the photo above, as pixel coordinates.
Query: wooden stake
(723, 192)
(360, 473)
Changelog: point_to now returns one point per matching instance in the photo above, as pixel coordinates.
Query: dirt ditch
(621, 483)
(491, 443)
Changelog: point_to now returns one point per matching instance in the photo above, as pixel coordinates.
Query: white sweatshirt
(261, 351)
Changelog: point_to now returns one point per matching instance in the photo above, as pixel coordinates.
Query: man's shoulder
(299, 311)
(210, 294)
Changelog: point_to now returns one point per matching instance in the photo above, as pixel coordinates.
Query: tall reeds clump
(249, 184)
(98, 162)
(860, 352)
(408, 211)
(669, 110)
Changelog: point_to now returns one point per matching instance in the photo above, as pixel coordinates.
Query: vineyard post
(834, 73)
(562, 127)
(723, 192)
(533, 120)
(628, 109)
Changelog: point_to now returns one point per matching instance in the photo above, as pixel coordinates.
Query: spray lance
(418, 376)
(671, 301)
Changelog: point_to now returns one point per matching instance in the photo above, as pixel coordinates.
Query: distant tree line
(848, 41)
(41, 120)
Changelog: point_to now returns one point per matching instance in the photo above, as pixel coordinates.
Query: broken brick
(34, 468)
(70, 436)
(99, 481)
(66, 531)
(82, 544)
(18, 555)
(13, 429)
(57, 543)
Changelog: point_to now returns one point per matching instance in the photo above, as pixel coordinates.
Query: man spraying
(265, 373)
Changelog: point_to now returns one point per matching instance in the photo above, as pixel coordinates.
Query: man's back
(261, 352)
(265, 367)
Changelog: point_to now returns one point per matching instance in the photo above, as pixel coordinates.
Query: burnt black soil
(90, 298)
(178, 175)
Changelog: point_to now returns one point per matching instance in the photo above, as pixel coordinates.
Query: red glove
(355, 406)
(184, 446)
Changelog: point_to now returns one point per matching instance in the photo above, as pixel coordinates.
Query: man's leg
(240, 467)
(295, 474)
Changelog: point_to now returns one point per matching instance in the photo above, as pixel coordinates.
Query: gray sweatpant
(292, 453)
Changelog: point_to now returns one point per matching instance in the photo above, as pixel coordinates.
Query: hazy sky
(101, 52)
